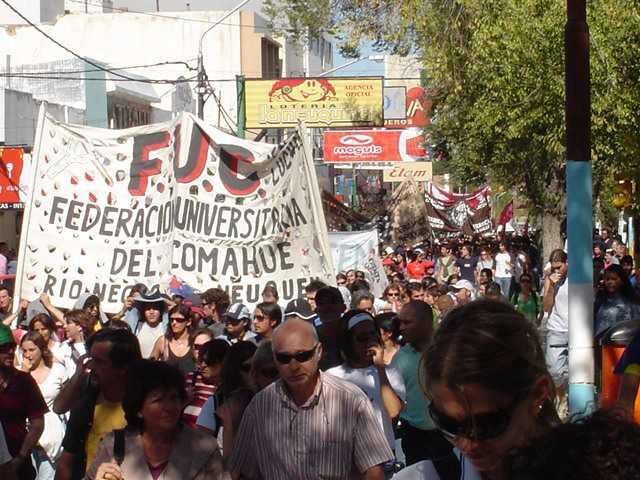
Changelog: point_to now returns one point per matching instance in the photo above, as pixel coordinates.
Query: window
(270, 59)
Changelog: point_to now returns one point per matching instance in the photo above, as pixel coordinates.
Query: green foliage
(495, 69)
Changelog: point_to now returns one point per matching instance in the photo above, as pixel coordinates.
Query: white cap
(460, 284)
(388, 250)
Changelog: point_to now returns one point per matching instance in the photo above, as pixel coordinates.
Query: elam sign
(356, 146)
(418, 171)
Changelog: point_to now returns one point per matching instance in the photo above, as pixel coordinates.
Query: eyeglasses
(341, 283)
(484, 426)
(178, 319)
(365, 337)
(233, 321)
(525, 280)
(300, 357)
(393, 294)
(259, 318)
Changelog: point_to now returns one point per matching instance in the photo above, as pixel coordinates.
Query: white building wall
(126, 39)
(38, 11)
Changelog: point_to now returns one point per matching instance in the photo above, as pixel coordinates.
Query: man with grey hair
(307, 424)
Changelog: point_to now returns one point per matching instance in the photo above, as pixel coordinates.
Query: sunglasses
(484, 426)
(393, 294)
(178, 319)
(300, 357)
(342, 282)
(234, 321)
(259, 317)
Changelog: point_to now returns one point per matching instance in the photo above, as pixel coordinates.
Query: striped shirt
(201, 392)
(332, 436)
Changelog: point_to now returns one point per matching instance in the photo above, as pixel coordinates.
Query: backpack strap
(118, 446)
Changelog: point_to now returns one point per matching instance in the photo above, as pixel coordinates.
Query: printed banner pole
(316, 199)
(24, 237)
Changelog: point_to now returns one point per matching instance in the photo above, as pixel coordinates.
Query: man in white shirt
(503, 272)
(556, 303)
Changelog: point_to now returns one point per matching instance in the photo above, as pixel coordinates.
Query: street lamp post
(579, 209)
(202, 84)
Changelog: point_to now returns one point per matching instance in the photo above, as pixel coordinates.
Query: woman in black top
(174, 347)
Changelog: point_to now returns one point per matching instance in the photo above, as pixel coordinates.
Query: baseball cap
(299, 307)
(5, 335)
(388, 250)
(460, 284)
(238, 311)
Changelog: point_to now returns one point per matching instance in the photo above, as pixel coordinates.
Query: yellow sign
(419, 171)
(318, 102)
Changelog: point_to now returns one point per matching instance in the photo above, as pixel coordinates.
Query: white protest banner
(359, 251)
(112, 208)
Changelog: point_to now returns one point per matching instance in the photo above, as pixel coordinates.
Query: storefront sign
(12, 177)
(395, 103)
(316, 102)
(112, 208)
(418, 107)
(357, 146)
(419, 171)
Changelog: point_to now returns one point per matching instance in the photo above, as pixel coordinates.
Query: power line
(84, 59)
(163, 82)
(132, 67)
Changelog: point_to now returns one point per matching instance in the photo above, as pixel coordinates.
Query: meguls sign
(356, 146)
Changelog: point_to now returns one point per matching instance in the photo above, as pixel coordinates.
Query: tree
(495, 69)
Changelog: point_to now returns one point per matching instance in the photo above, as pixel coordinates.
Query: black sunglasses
(484, 426)
(299, 357)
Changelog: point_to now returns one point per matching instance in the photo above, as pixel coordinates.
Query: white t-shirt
(207, 418)
(64, 353)
(559, 317)
(503, 267)
(369, 381)
(54, 424)
(426, 471)
(520, 262)
(147, 337)
(5, 456)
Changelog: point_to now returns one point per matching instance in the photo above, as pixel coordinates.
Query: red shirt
(417, 270)
(21, 400)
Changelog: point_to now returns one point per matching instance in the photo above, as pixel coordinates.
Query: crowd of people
(457, 371)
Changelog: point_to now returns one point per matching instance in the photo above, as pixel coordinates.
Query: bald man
(307, 424)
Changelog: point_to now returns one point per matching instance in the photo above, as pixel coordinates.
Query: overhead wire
(132, 67)
(84, 59)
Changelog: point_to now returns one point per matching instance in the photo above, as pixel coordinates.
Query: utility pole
(579, 210)
(202, 87)
(157, 5)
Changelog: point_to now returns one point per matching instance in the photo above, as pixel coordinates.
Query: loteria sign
(418, 171)
(316, 102)
(358, 146)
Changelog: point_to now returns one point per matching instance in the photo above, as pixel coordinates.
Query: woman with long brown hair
(489, 389)
(50, 376)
